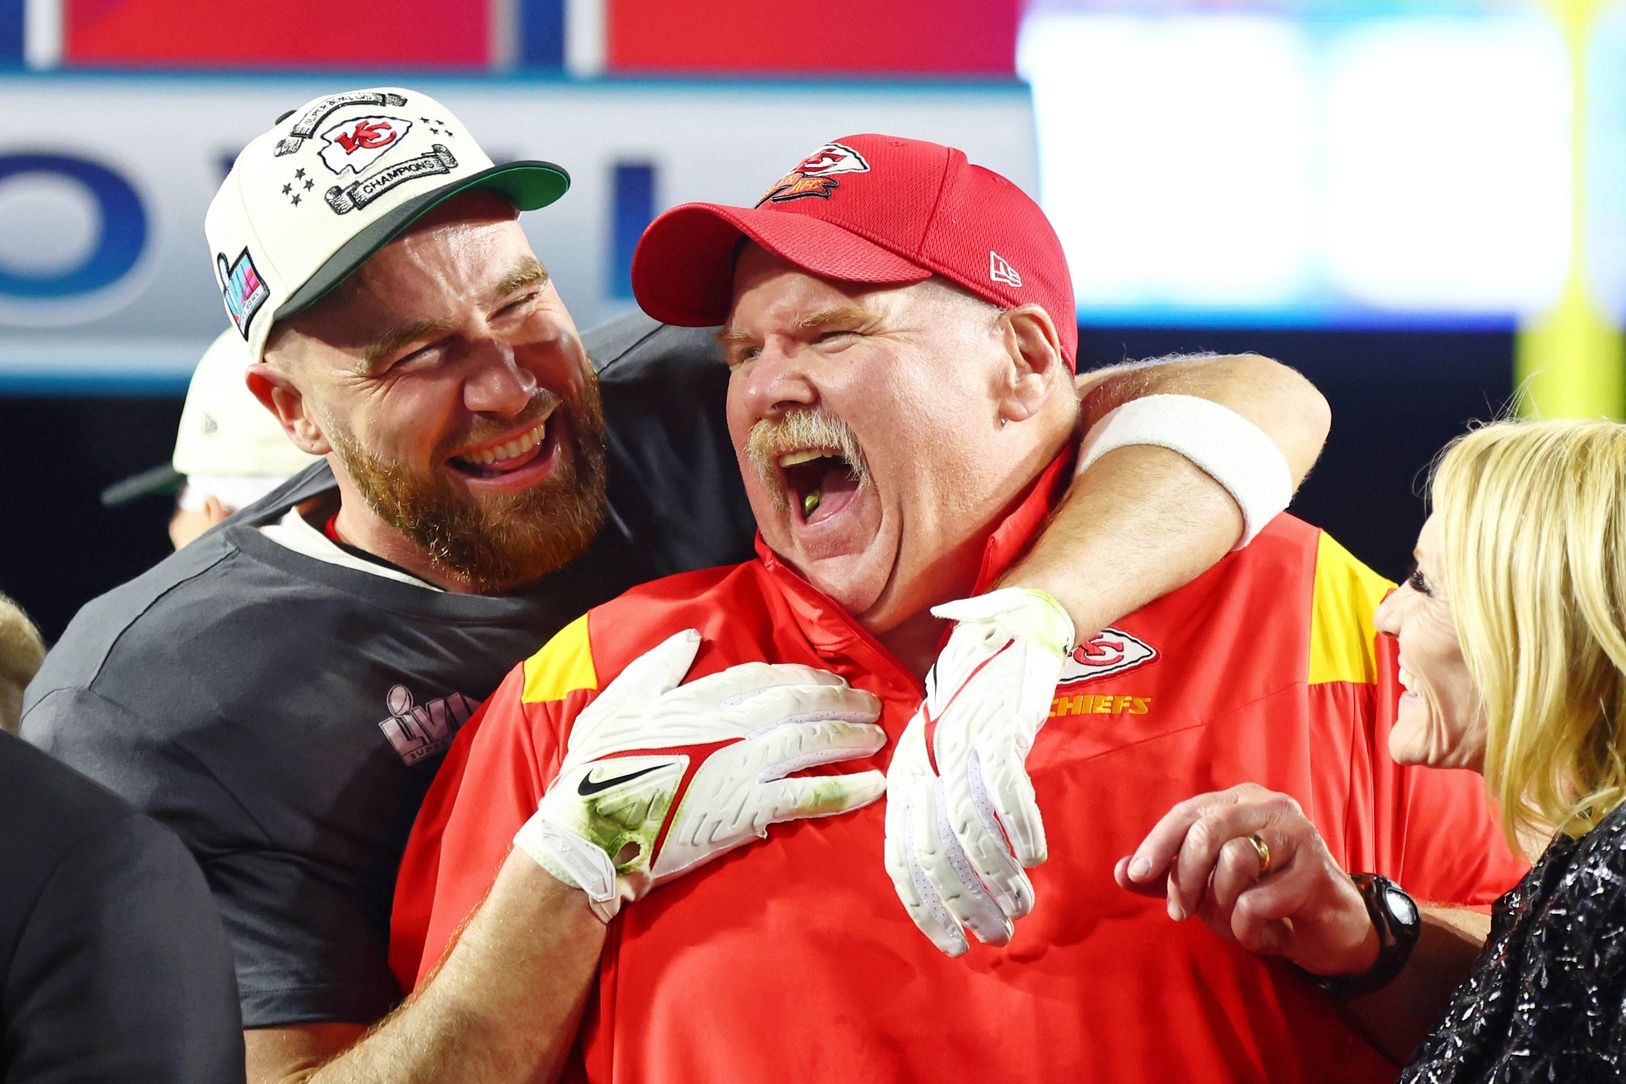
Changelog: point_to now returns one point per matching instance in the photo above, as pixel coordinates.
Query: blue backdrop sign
(105, 277)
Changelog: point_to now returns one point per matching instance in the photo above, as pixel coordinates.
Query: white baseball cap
(334, 181)
(227, 443)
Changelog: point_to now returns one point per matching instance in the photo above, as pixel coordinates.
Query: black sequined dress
(1547, 1000)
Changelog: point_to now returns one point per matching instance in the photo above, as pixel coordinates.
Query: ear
(214, 511)
(1037, 368)
(278, 393)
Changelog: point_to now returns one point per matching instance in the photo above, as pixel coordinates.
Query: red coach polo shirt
(792, 959)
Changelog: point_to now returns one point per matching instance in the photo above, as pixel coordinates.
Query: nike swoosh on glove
(660, 777)
(961, 818)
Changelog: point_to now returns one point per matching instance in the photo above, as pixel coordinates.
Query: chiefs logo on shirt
(1112, 651)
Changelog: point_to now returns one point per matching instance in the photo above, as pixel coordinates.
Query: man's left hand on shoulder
(962, 820)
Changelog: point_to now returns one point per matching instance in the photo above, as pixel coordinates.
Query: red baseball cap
(872, 209)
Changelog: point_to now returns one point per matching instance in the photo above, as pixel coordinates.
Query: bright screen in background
(1242, 164)
(1605, 213)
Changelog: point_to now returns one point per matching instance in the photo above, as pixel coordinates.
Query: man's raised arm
(1143, 519)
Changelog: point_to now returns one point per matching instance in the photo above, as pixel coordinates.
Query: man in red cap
(898, 326)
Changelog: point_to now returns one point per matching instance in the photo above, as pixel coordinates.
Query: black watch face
(1400, 905)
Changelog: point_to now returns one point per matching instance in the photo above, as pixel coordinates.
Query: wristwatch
(1394, 917)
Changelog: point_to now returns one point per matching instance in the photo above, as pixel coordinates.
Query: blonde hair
(1532, 524)
(21, 652)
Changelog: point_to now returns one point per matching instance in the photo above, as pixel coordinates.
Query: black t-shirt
(113, 965)
(284, 714)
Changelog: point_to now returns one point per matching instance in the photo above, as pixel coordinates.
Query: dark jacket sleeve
(308, 936)
(121, 971)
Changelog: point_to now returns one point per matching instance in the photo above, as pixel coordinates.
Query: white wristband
(1222, 443)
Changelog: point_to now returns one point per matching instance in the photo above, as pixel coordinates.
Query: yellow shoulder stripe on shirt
(564, 665)
(1342, 626)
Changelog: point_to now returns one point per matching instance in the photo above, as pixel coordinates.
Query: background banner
(104, 180)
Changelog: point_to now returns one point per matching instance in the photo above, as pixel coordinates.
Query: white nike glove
(958, 787)
(659, 777)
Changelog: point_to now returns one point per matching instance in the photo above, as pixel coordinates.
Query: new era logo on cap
(1000, 271)
(309, 201)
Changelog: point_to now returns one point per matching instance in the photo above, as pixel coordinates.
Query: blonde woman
(1512, 652)
(21, 652)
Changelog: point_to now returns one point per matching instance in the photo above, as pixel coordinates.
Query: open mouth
(498, 460)
(820, 482)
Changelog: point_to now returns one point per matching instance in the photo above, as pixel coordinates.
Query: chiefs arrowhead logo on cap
(358, 142)
(1112, 651)
(812, 175)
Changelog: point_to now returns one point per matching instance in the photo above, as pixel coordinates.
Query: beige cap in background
(227, 444)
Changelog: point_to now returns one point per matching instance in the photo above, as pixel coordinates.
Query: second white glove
(958, 787)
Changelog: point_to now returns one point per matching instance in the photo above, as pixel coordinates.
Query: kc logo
(366, 135)
(357, 143)
(811, 177)
(1112, 651)
(832, 158)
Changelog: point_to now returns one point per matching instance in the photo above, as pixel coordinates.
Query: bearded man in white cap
(281, 692)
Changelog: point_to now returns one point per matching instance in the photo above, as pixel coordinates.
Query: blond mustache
(794, 431)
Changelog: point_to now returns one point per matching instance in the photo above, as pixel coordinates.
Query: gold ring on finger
(1262, 849)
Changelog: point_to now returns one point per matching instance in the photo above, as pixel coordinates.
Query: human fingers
(1247, 900)
(820, 795)
(1311, 913)
(909, 784)
(1157, 850)
(975, 816)
(949, 871)
(1160, 845)
(1152, 889)
(1249, 809)
(1257, 933)
(794, 746)
(654, 673)
(1243, 862)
